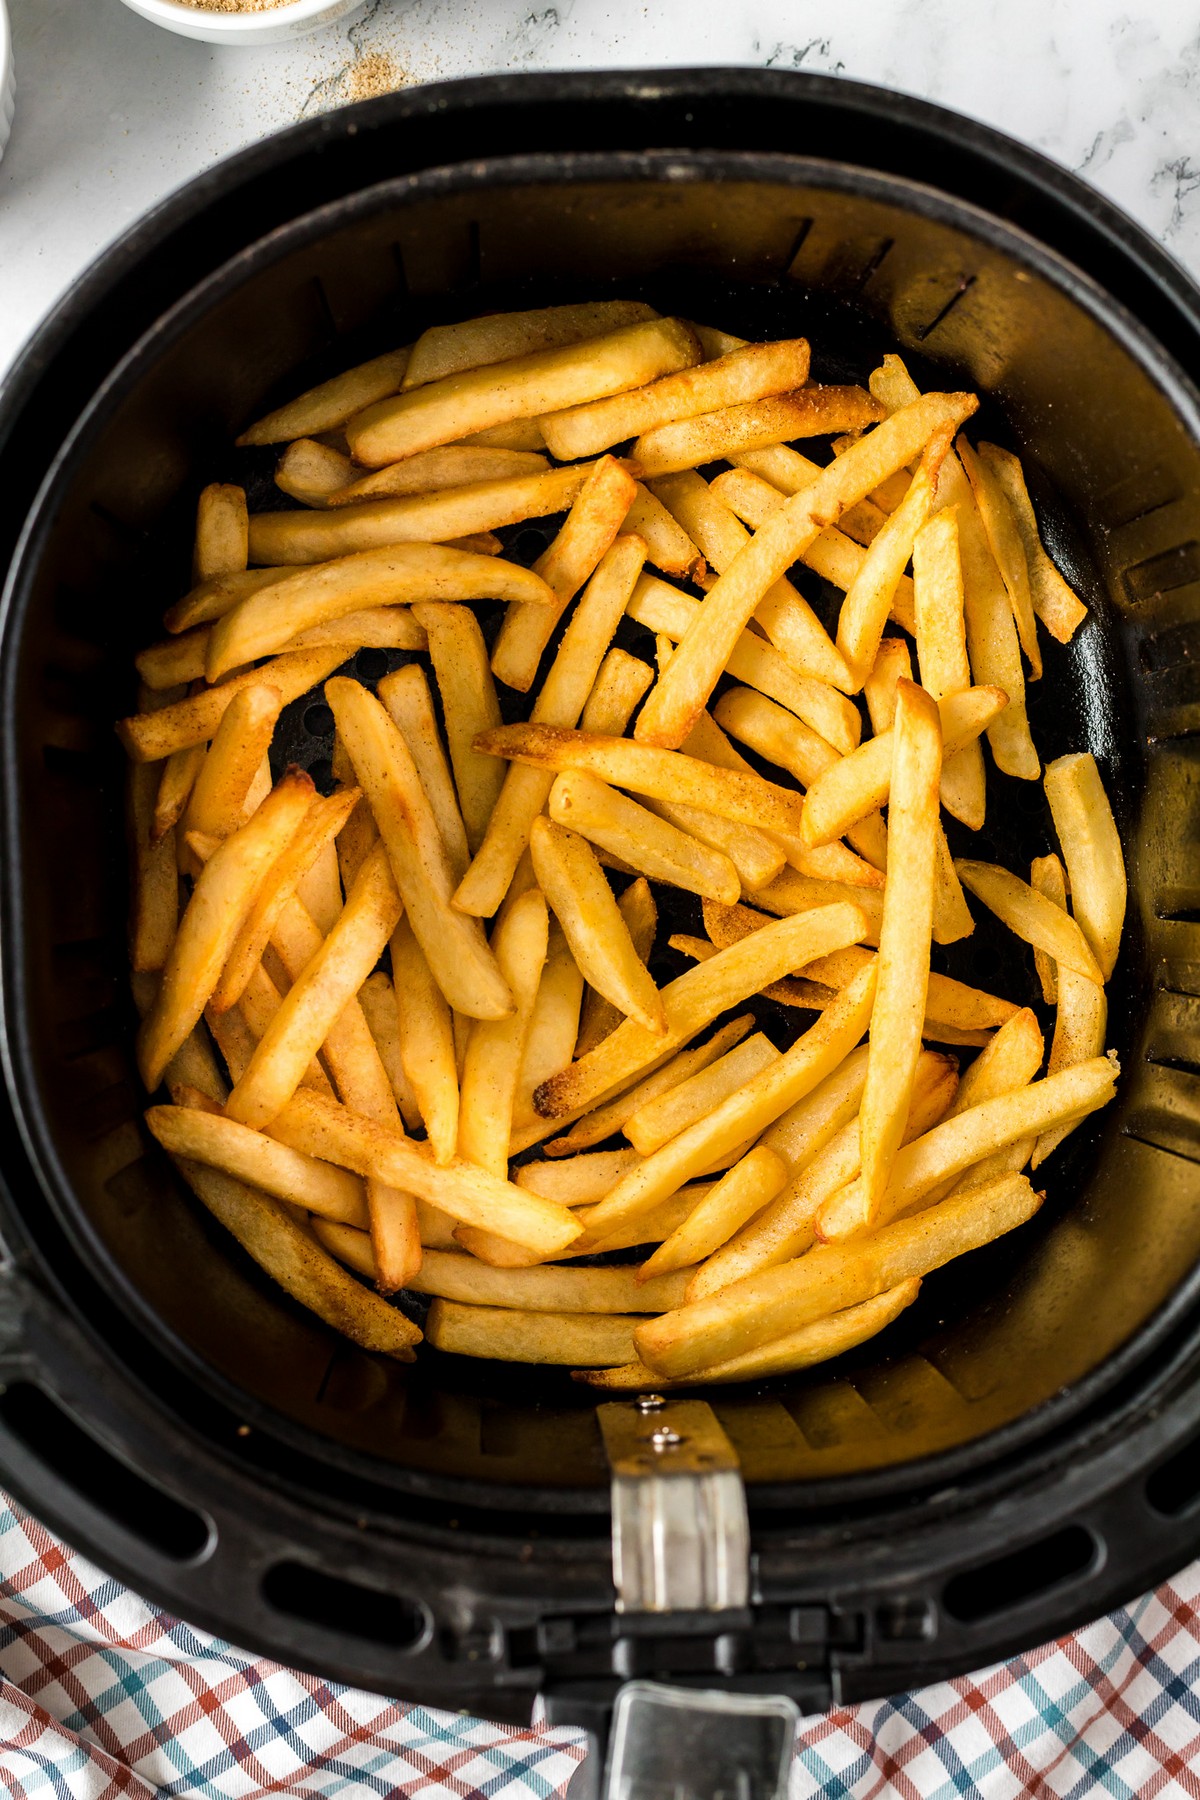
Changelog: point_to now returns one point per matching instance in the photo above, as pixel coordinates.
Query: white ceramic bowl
(272, 26)
(7, 78)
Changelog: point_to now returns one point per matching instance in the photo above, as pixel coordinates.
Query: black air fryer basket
(1022, 1449)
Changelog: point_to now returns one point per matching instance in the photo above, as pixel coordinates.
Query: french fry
(619, 688)
(357, 837)
(737, 379)
(223, 894)
(319, 995)
(522, 434)
(821, 707)
(1079, 1028)
(374, 627)
(664, 1117)
(604, 816)
(288, 1252)
(453, 1276)
(207, 600)
(500, 1253)
(312, 473)
(741, 1192)
(783, 614)
(218, 799)
(596, 517)
(577, 1180)
(752, 425)
(1091, 848)
(377, 998)
(924, 1165)
(177, 778)
(495, 1047)
(806, 994)
(942, 654)
(154, 880)
(564, 693)
(892, 664)
(433, 471)
(148, 737)
(221, 532)
(952, 919)
(1047, 876)
(598, 1016)
(609, 1118)
(426, 1042)
(1004, 540)
(329, 405)
(325, 1129)
(831, 1278)
(1061, 611)
(756, 857)
(788, 472)
(871, 595)
(469, 705)
(320, 825)
(1030, 916)
(319, 889)
(445, 350)
(668, 545)
(259, 625)
(790, 894)
(815, 1343)
(683, 690)
(544, 381)
(405, 693)
(553, 1025)
(745, 1114)
(219, 1143)
(454, 945)
(506, 1334)
(800, 1133)
(575, 886)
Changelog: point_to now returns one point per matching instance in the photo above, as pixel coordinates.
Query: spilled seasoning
(372, 73)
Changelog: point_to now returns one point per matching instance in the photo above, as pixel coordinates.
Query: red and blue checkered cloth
(102, 1695)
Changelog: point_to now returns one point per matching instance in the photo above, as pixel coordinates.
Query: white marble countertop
(113, 112)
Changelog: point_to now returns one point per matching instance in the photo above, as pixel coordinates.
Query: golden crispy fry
(921, 1168)
(319, 889)
(433, 471)
(668, 545)
(445, 517)
(564, 693)
(626, 830)
(1091, 848)
(219, 794)
(377, 998)
(179, 771)
(258, 626)
(791, 893)
(1031, 916)
(822, 708)
(334, 1133)
(405, 693)
(617, 691)
(499, 1253)
(746, 1113)
(223, 895)
(553, 1026)
(577, 1180)
(598, 1016)
(454, 945)
(494, 1049)
(942, 654)
(219, 1143)
(683, 690)
(788, 472)
(426, 1042)
(871, 595)
(506, 1334)
(1004, 540)
(288, 1252)
(1079, 1028)
(221, 532)
(147, 737)
(806, 994)
(831, 1278)
(952, 919)
(815, 1343)
(902, 974)
(522, 434)
(743, 376)
(1047, 876)
(601, 1123)
(783, 614)
(1060, 610)
(453, 1276)
(469, 705)
(358, 835)
(756, 857)
(153, 879)
(575, 886)
(892, 664)
(326, 407)
(596, 516)
(209, 599)
(497, 337)
(312, 473)
(529, 386)
(742, 1192)
(665, 1116)
(752, 425)
(375, 627)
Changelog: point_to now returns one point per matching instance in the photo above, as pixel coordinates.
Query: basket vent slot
(1160, 574)
(334, 1604)
(140, 1508)
(1174, 1487)
(1024, 1575)
(960, 293)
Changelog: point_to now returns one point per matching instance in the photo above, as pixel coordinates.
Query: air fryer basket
(958, 1488)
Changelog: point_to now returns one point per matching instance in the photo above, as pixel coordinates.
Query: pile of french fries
(369, 1006)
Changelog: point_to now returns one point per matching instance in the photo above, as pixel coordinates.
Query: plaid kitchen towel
(102, 1695)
